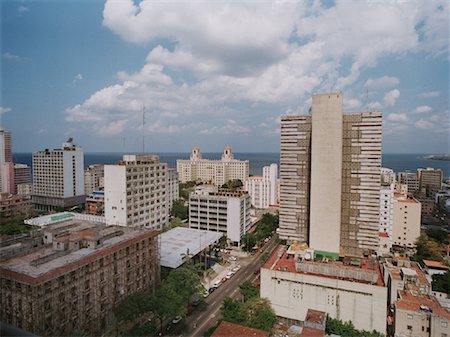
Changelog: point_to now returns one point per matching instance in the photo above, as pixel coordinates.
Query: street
(208, 312)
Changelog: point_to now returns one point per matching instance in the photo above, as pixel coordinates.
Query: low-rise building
(12, 205)
(72, 273)
(352, 290)
(227, 329)
(95, 203)
(406, 220)
(225, 211)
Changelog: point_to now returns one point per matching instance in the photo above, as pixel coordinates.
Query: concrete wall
(326, 172)
(292, 294)
(115, 195)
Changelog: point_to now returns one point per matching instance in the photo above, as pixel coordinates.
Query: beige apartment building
(136, 192)
(224, 211)
(58, 177)
(330, 166)
(217, 172)
(430, 180)
(94, 178)
(406, 220)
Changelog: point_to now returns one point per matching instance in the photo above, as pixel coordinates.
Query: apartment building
(58, 177)
(296, 280)
(330, 167)
(387, 176)
(22, 175)
(72, 273)
(173, 186)
(263, 189)
(7, 177)
(13, 205)
(430, 180)
(225, 211)
(94, 178)
(406, 220)
(217, 172)
(5, 151)
(387, 211)
(136, 192)
(410, 179)
(95, 203)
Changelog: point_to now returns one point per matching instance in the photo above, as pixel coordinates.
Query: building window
(409, 327)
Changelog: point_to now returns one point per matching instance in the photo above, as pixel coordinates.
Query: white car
(233, 258)
(217, 283)
(206, 294)
(229, 274)
(237, 267)
(177, 320)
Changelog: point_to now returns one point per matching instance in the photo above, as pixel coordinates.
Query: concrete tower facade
(330, 166)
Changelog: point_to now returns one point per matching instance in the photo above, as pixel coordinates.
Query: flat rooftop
(284, 262)
(32, 265)
(180, 241)
(410, 301)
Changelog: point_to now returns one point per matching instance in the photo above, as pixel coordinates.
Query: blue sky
(215, 73)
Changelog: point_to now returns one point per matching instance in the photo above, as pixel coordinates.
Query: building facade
(222, 211)
(13, 205)
(7, 172)
(136, 192)
(330, 167)
(58, 177)
(5, 151)
(173, 186)
(263, 189)
(71, 275)
(406, 220)
(430, 180)
(22, 175)
(93, 178)
(409, 179)
(387, 176)
(387, 210)
(217, 172)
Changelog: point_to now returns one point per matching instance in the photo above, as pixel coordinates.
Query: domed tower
(195, 154)
(227, 154)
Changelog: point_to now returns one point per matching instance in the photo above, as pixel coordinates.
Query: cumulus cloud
(4, 110)
(430, 94)
(423, 109)
(384, 82)
(424, 124)
(398, 117)
(390, 98)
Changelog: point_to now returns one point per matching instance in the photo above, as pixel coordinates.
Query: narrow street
(208, 312)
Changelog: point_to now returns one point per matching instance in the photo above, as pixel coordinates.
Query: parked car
(229, 274)
(206, 294)
(196, 302)
(217, 283)
(177, 319)
(211, 290)
(233, 258)
(224, 279)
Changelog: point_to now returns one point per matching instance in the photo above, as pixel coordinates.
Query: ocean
(397, 162)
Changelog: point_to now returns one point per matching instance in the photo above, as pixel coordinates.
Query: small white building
(224, 211)
(263, 189)
(406, 220)
(136, 192)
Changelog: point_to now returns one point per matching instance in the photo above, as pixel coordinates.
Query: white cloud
(41, 131)
(430, 94)
(398, 117)
(113, 128)
(23, 9)
(391, 97)
(4, 110)
(231, 127)
(10, 56)
(384, 82)
(374, 106)
(352, 104)
(423, 109)
(424, 124)
(78, 77)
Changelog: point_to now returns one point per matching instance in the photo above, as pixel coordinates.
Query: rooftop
(66, 246)
(435, 264)
(411, 301)
(227, 329)
(311, 332)
(181, 241)
(315, 316)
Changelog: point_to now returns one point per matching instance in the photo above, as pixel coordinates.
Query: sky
(210, 73)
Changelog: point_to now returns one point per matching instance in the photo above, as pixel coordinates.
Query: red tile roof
(311, 332)
(435, 264)
(315, 316)
(383, 234)
(413, 302)
(227, 329)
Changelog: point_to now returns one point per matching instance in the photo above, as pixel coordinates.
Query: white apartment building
(217, 172)
(173, 186)
(136, 192)
(406, 220)
(263, 189)
(387, 176)
(224, 211)
(350, 291)
(58, 177)
(93, 178)
(387, 210)
(330, 177)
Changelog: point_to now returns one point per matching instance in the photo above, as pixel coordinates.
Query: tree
(338, 327)
(132, 307)
(231, 310)
(179, 210)
(146, 329)
(166, 302)
(248, 290)
(441, 283)
(438, 235)
(258, 313)
(248, 241)
(427, 249)
(233, 184)
(187, 282)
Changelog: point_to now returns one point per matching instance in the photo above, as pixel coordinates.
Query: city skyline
(86, 69)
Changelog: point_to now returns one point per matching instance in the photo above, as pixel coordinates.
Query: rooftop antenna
(143, 130)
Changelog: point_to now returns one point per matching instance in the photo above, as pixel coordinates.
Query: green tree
(258, 313)
(166, 302)
(248, 241)
(233, 184)
(132, 307)
(441, 283)
(138, 330)
(179, 210)
(427, 249)
(438, 235)
(187, 282)
(14, 225)
(338, 327)
(248, 290)
(231, 310)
